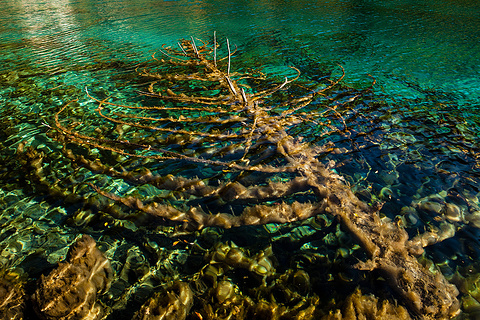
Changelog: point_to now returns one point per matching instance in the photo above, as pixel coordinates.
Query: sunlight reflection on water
(433, 44)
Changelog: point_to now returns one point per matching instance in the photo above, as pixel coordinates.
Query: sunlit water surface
(421, 145)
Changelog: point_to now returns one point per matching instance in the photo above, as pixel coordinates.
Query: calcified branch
(245, 100)
(194, 47)
(215, 48)
(231, 87)
(229, 55)
(183, 50)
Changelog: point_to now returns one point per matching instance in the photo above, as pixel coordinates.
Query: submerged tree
(223, 149)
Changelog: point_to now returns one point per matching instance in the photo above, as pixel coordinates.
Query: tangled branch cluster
(250, 166)
(231, 126)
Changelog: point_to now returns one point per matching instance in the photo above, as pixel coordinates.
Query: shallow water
(412, 143)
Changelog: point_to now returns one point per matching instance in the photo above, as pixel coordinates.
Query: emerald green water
(413, 143)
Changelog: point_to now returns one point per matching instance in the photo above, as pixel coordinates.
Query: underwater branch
(251, 162)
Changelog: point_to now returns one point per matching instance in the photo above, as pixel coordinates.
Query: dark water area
(407, 145)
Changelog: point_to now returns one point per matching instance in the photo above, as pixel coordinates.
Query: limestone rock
(70, 291)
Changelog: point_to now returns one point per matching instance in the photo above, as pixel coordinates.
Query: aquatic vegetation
(224, 149)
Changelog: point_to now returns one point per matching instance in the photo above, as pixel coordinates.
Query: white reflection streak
(49, 32)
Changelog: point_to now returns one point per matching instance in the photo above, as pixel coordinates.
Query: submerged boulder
(70, 291)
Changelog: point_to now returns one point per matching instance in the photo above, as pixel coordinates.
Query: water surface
(421, 123)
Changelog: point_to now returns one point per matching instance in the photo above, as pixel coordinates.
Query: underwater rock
(435, 235)
(237, 284)
(224, 290)
(436, 204)
(453, 212)
(301, 281)
(232, 256)
(471, 306)
(11, 296)
(474, 218)
(276, 298)
(469, 286)
(359, 307)
(70, 291)
(135, 265)
(174, 304)
(431, 206)
(390, 177)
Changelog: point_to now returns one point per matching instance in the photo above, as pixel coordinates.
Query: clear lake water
(412, 145)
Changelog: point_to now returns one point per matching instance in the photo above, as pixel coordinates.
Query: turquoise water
(412, 141)
(432, 44)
